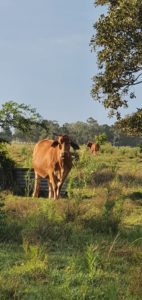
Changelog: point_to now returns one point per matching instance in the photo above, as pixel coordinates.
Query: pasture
(85, 246)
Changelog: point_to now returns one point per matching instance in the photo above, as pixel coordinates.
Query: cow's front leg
(61, 180)
(59, 185)
(50, 194)
(36, 185)
(53, 182)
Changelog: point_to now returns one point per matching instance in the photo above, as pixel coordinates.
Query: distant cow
(94, 147)
(52, 159)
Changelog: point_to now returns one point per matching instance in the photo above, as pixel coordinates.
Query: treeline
(81, 132)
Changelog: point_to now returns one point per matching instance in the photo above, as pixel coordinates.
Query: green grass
(21, 154)
(70, 249)
(87, 246)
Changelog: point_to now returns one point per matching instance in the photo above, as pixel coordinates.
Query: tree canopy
(131, 124)
(18, 116)
(118, 43)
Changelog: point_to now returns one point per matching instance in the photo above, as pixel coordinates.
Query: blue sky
(45, 58)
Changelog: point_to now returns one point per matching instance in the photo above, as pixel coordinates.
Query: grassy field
(86, 246)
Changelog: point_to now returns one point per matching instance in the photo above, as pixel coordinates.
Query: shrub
(85, 169)
(7, 164)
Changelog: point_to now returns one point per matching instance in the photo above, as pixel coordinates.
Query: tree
(131, 124)
(101, 138)
(19, 116)
(6, 134)
(108, 130)
(118, 42)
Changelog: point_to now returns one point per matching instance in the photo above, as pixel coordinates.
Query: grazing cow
(52, 159)
(94, 147)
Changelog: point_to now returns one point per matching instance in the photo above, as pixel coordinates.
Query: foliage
(81, 132)
(7, 164)
(29, 183)
(5, 161)
(88, 171)
(21, 116)
(21, 153)
(6, 134)
(118, 40)
(101, 138)
(132, 125)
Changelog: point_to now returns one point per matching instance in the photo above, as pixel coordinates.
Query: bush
(84, 170)
(7, 164)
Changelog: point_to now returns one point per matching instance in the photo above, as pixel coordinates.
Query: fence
(23, 182)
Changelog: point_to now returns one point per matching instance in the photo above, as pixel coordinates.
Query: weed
(29, 183)
(93, 261)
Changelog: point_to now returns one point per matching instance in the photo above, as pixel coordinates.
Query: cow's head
(63, 143)
(89, 144)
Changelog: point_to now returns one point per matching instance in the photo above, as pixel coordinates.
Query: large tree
(19, 116)
(118, 43)
(14, 116)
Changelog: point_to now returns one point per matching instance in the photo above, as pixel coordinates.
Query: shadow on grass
(135, 196)
(128, 179)
(132, 233)
(102, 177)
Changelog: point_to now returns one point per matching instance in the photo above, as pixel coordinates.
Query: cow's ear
(89, 144)
(75, 146)
(55, 144)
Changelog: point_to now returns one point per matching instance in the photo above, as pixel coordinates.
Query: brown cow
(52, 159)
(94, 147)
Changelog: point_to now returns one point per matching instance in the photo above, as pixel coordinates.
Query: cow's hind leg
(36, 185)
